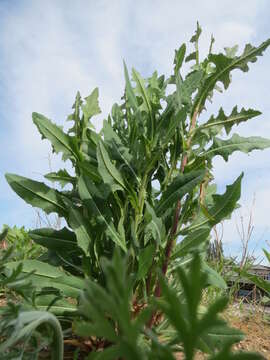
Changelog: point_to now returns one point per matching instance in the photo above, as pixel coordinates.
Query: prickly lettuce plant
(142, 183)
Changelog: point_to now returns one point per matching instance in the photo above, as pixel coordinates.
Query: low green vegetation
(23, 246)
(125, 277)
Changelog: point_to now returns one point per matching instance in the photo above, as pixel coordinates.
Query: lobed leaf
(223, 66)
(62, 177)
(60, 141)
(215, 124)
(225, 148)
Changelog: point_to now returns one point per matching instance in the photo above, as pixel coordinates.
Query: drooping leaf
(181, 185)
(213, 277)
(37, 194)
(63, 239)
(60, 141)
(257, 280)
(225, 148)
(62, 177)
(107, 170)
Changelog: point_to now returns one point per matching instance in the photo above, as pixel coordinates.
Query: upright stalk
(173, 232)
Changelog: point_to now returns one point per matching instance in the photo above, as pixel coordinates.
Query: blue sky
(50, 49)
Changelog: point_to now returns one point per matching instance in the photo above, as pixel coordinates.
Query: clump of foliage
(24, 333)
(137, 186)
(22, 244)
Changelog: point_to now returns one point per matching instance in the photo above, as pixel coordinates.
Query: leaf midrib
(40, 196)
(231, 65)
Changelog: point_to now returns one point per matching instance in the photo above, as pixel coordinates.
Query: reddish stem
(169, 245)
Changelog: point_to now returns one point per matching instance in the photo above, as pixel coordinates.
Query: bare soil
(251, 320)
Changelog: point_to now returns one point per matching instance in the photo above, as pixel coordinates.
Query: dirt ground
(251, 320)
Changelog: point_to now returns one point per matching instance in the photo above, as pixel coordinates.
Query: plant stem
(171, 238)
(138, 215)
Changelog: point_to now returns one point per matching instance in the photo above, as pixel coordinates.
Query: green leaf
(181, 185)
(60, 307)
(3, 234)
(37, 194)
(213, 277)
(60, 141)
(62, 177)
(169, 123)
(146, 257)
(215, 124)
(186, 88)
(46, 275)
(231, 51)
(107, 170)
(225, 148)
(257, 280)
(117, 150)
(267, 254)
(129, 91)
(81, 228)
(223, 66)
(91, 106)
(221, 207)
(196, 36)
(141, 90)
(191, 56)
(155, 228)
(179, 58)
(90, 170)
(191, 242)
(86, 193)
(63, 239)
